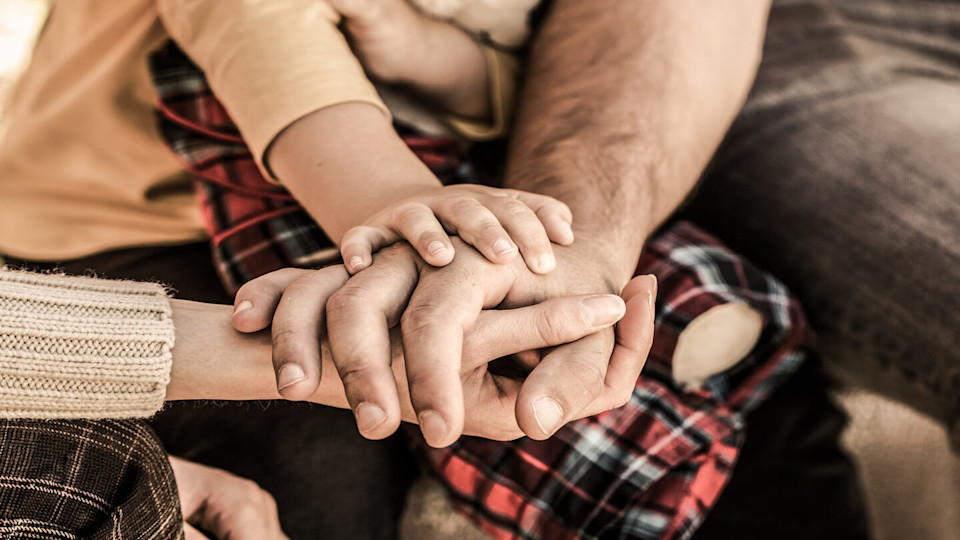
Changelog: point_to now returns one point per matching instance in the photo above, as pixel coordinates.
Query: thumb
(502, 332)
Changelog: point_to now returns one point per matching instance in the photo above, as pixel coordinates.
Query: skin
(292, 300)
(622, 168)
(223, 504)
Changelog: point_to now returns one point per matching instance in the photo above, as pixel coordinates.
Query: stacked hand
(454, 321)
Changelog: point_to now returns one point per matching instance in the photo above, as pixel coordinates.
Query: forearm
(624, 105)
(211, 360)
(344, 163)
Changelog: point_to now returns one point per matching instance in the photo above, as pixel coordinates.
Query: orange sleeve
(270, 62)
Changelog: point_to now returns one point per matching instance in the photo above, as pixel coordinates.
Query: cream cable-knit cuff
(79, 347)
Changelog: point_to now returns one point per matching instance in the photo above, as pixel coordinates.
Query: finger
(432, 345)
(634, 337)
(359, 244)
(297, 325)
(476, 225)
(419, 226)
(566, 380)
(432, 327)
(239, 509)
(359, 316)
(555, 216)
(257, 300)
(191, 533)
(492, 402)
(526, 230)
(503, 332)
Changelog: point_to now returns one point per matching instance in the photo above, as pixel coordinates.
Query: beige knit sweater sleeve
(79, 347)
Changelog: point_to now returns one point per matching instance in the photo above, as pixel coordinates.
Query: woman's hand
(223, 505)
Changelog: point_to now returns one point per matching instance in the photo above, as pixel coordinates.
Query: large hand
(490, 399)
(595, 373)
(224, 505)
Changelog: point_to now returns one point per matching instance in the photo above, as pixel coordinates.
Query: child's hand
(495, 221)
(387, 35)
(398, 44)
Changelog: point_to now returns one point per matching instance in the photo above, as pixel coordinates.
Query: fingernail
(369, 416)
(433, 427)
(651, 294)
(603, 309)
(503, 247)
(548, 414)
(566, 230)
(436, 248)
(547, 262)
(289, 374)
(241, 307)
(356, 262)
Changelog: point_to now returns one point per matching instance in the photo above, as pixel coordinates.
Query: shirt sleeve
(270, 62)
(78, 347)
(503, 69)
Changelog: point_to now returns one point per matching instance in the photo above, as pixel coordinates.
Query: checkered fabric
(255, 225)
(653, 468)
(650, 469)
(72, 479)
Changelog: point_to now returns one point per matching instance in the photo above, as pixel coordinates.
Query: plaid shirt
(650, 469)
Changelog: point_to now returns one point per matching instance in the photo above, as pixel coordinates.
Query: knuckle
(283, 337)
(588, 376)
(462, 205)
(408, 212)
(515, 209)
(348, 298)
(550, 327)
(354, 373)
(417, 320)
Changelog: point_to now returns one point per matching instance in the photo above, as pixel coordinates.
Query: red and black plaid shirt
(651, 469)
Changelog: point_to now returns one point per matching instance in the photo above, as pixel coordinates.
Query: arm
(299, 96)
(294, 303)
(78, 347)
(623, 106)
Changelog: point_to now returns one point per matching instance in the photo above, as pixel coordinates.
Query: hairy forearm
(624, 105)
(344, 163)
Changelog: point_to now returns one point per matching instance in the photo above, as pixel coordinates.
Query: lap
(325, 477)
(91, 479)
(841, 178)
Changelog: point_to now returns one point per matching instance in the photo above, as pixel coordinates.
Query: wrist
(345, 162)
(213, 361)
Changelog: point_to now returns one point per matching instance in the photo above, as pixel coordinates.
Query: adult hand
(223, 505)
(583, 377)
(368, 307)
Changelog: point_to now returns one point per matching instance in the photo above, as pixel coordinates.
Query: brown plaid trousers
(66, 479)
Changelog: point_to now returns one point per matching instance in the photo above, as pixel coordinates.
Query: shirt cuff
(79, 347)
(502, 72)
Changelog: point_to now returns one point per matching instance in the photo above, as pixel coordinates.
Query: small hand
(224, 505)
(387, 35)
(372, 303)
(495, 221)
